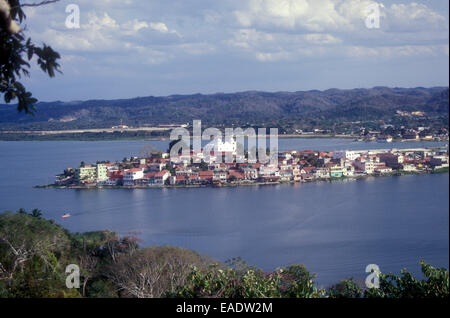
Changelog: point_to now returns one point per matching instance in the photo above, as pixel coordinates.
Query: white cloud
(414, 17)
(307, 25)
(397, 51)
(321, 38)
(332, 15)
(133, 26)
(306, 15)
(270, 57)
(100, 22)
(159, 26)
(100, 32)
(277, 27)
(131, 36)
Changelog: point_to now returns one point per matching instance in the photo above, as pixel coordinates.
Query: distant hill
(251, 107)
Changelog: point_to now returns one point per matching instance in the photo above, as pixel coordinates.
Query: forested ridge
(305, 109)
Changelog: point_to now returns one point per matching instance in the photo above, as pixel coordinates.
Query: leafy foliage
(435, 285)
(345, 289)
(16, 53)
(34, 253)
(30, 250)
(293, 281)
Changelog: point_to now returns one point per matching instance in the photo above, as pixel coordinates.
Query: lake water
(335, 229)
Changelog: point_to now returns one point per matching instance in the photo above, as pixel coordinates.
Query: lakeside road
(152, 129)
(99, 134)
(81, 131)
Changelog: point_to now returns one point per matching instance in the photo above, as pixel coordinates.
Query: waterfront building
(101, 173)
(206, 176)
(114, 178)
(250, 173)
(383, 169)
(286, 175)
(336, 171)
(220, 176)
(391, 160)
(322, 173)
(131, 175)
(365, 164)
(348, 171)
(86, 174)
(408, 167)
(269, 171)
(160, 178)
(235, 176)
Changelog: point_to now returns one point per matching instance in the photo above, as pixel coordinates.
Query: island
(158, 170)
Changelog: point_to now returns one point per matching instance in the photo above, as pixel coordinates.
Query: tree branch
(42, 3)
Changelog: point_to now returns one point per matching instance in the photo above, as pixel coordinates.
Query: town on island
(158, 169)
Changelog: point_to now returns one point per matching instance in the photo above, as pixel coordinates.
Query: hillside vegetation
(34, 253)
(303, 109)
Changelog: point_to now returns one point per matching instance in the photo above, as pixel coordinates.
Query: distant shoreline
(28, 136)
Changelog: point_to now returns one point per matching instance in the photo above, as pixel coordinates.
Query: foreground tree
(31, 250)
(435, 284)
(154, 272)
(16, 52)
(345, 289)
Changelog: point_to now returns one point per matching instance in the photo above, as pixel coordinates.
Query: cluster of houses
(293, 166)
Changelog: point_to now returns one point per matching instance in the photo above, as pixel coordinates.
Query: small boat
(385, 139)
(66, 215)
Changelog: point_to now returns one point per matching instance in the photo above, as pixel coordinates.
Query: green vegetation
(330, 111)
(345, 289)
(441, 170)
(293, 281)
(16, 53)
(34, 253)
(435, 285)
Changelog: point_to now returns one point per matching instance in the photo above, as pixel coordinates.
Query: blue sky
(129, 48)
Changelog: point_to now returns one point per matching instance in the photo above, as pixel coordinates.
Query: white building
(349, 155)
(220, 176)
(365, 165)
(160, 178)
(250, 173)
(269, 171)
(131, 175)
(227, 146)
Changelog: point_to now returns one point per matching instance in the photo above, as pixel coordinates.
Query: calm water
(336, 229)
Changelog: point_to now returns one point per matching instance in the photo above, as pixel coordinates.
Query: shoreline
(242, 184)
(55, 137)
(39, 138)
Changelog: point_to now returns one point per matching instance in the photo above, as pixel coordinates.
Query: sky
(130, 48)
